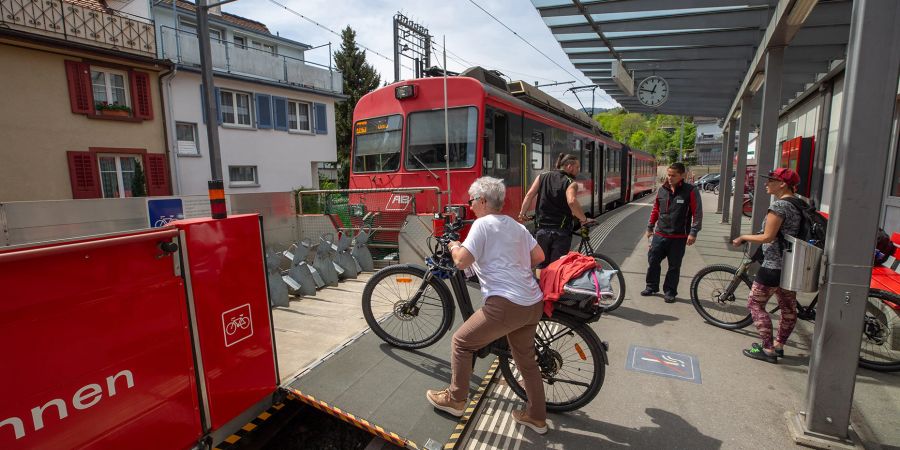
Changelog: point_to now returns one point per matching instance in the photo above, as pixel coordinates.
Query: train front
(399, 142)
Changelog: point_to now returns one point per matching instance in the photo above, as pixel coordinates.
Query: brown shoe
(539, 427)
(442, 401)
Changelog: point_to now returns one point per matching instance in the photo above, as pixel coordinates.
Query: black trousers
(554, 243)
(665, 248)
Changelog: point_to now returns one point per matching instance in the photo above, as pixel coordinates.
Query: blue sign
(163, 211)
(664, 363)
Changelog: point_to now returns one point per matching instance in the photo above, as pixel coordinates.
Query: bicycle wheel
(386, 305)
(572, 361)
(748, 208)
(880, 346)
(617, 282)
(716, 189)
(723, 309)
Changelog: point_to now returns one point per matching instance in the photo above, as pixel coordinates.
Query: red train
(510, 131)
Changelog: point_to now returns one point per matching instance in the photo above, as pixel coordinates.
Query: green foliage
(360, 78)
(138, 181)
(655, 133)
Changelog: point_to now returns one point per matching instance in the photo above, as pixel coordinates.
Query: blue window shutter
(218, 106)
(321, 118)
(263, 111)
(279, 105)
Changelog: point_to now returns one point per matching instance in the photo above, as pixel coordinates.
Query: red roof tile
(231, 18)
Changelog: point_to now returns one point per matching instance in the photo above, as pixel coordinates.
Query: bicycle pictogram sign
(237, 324)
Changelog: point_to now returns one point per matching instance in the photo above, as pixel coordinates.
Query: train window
(537, 150)
(425, 147)
(501, 142)
(376, 147)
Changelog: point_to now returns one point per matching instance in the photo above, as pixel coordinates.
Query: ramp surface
(382, 389)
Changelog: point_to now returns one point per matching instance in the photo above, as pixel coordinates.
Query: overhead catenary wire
(298, 14)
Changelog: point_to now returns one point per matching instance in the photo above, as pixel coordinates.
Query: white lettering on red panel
(237, 324)
(398, 202)
(84, 398)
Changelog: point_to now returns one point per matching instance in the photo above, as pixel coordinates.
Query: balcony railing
(74, 23)
(183, 48)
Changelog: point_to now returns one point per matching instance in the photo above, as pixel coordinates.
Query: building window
(242, 176)
(235, 108)
(109, 87)
(187, 138)
(298, 116)
(268, 48)
(117, 175)
(240, 42)
(215, 35)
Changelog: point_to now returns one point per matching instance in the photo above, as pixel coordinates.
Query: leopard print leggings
(787, 304)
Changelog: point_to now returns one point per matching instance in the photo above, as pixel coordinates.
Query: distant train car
(510, 131)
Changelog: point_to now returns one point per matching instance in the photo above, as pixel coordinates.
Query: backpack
(812, 224)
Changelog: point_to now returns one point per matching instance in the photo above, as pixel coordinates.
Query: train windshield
(377, 144)
(425, 145)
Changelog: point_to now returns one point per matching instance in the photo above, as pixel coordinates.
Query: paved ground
(740, 403)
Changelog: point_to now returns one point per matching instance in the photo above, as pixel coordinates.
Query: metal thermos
(800, 268)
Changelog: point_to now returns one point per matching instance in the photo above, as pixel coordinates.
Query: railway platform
(720, 399)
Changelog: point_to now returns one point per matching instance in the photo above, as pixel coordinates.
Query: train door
(496, 157)
(588, 162)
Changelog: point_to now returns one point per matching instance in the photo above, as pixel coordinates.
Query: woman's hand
(738, 241)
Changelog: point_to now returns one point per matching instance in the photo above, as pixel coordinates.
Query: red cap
(785, 175)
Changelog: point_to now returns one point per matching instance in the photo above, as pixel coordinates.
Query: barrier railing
(76, 23)
(383, 210)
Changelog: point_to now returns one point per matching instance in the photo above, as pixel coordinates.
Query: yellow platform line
(470, 410)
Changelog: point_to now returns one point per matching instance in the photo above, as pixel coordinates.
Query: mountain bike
(720, 294)
(409, 306)
(617, 282)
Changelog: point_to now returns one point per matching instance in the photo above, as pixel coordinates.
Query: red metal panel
(229, 288)
(97, 346)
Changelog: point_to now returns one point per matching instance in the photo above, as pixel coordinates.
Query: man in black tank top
(557, 208)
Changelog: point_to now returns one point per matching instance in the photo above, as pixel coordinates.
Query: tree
(138, 181)
(360, 78)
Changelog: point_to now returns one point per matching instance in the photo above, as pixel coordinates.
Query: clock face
(653, 91)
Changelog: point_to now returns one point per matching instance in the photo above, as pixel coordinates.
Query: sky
(473, 37)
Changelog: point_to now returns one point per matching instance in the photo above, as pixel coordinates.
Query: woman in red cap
(782, 219)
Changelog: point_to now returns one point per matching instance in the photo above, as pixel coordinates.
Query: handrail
(19, 255)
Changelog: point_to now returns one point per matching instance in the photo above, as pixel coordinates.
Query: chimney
(216, 10)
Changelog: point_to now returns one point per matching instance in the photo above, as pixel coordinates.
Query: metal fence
(381, 210)
(76, 23)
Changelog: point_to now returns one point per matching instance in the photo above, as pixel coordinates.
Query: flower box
(114, 113)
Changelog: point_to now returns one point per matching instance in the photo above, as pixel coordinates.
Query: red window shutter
(157, 175)
(84, 175)
(80, 95)
(140, 95)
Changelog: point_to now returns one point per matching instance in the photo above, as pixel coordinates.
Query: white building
(275, 110)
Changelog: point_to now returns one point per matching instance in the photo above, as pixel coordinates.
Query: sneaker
(441, 400)
(648, 292)
(522, 419)
(779, 352)
(669, 298)
(757, 352)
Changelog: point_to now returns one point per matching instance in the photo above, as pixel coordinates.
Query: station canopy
(704, 49)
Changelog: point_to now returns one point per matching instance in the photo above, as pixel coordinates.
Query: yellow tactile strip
(470, 409)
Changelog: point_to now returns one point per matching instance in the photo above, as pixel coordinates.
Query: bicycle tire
(389, 294)
(708, 302)
(716, 189)
(880, 345)
(747, 208)
(608, 264)
(555, 362)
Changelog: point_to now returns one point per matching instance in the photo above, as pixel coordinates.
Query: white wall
(283, 159)
(709, 128)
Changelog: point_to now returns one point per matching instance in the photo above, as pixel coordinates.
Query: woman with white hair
(503, 254)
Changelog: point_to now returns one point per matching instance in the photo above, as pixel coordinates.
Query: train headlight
(405, 91)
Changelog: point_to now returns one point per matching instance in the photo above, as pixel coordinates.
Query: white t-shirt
(502, 250)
